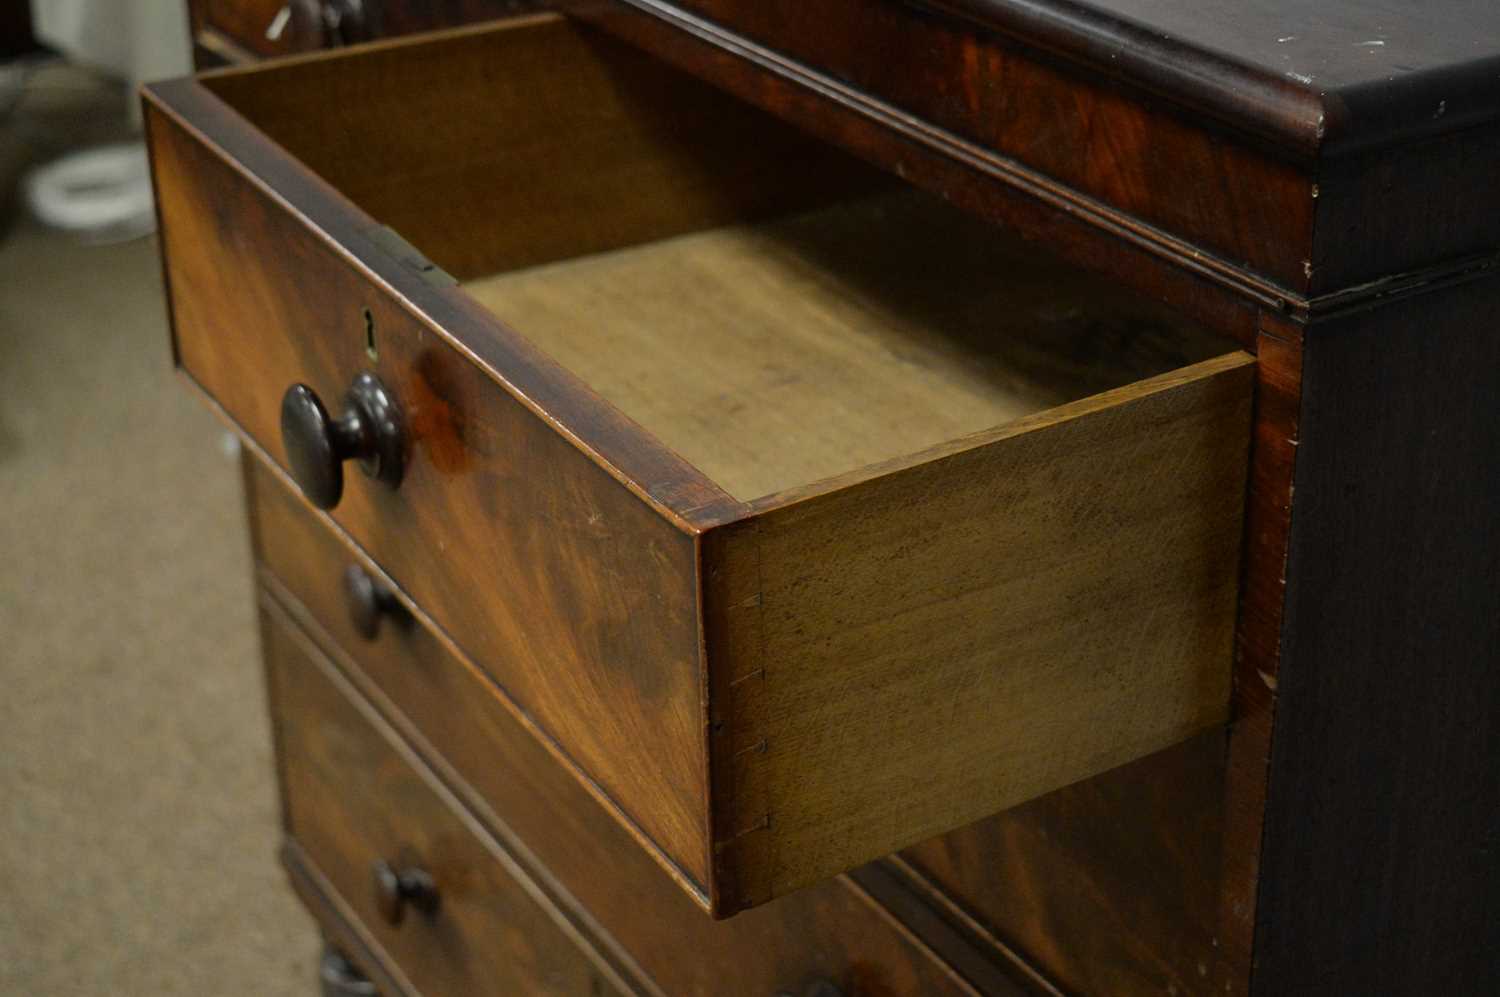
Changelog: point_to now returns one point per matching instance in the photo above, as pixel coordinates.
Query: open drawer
(801, 516)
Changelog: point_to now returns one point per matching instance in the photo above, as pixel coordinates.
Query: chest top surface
(1320, 77)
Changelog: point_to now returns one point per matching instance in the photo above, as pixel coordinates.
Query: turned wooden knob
(340, 978)
(345, 23)
(370, 430)
(398, 888)
(370, 601)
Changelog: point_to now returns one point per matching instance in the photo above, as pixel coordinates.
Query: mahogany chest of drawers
(868, 497)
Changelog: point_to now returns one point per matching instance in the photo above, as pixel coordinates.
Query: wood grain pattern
(570, 565)
(1326, 78)
(1143, 880)
(334, 920)
(1093, 136)
(1198, 118)
(1108, 886)
(576, 850)
(354, 796)
(1379, 873)
(959, 635)
(501, 147)
(1142, 146)
(1258, 636)
(567, 586)
(1082, 230)
(771, 356)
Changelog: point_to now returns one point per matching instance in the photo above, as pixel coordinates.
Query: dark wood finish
(341, 978)
(371, 601)
(333, 918)
(614, 683)
(1033, 568)
(450, 711)
(353, 794)
(1108, 151)
(1401, 188)
(1323, 79)
(1379, 873)
(1258, 637)
(1144, 879)
(1421, 200)
(1109, 886)
(1174, 882)
(432, 141)
(1270, 170)
(723, 672)
(1190, 117)
(371, 430)
(1398, 217)
(1083, 230)
(398, 888)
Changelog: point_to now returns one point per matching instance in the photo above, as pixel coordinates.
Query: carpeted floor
(138, 817)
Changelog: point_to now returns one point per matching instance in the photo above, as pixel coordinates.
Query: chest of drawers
(867, 498)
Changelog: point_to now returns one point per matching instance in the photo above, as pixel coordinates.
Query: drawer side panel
(946, 640)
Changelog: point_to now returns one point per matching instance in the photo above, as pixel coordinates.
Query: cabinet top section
(1323, 78)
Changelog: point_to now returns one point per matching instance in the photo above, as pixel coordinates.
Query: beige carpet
(138, 818)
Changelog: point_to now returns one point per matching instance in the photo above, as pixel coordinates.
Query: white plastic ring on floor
(101, 194)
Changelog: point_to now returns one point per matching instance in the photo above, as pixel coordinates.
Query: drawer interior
(764, 305)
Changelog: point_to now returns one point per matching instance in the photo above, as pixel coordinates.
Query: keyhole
(370, 350)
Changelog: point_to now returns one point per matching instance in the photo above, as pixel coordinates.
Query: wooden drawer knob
(369, 602)
(370, 430)
(340, 978)
(395, 889)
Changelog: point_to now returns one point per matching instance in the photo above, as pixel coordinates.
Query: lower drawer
(834, 933)
(429, 891)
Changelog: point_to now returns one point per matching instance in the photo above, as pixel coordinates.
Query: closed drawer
(832, 932)
(360, 807)
(805, 516)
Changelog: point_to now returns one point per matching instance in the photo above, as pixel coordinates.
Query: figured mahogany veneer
(355, 799)
(453, 713)
(781, 624)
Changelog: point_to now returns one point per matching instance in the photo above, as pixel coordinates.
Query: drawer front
(575, 594)
(831, 932)
(356, 800)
